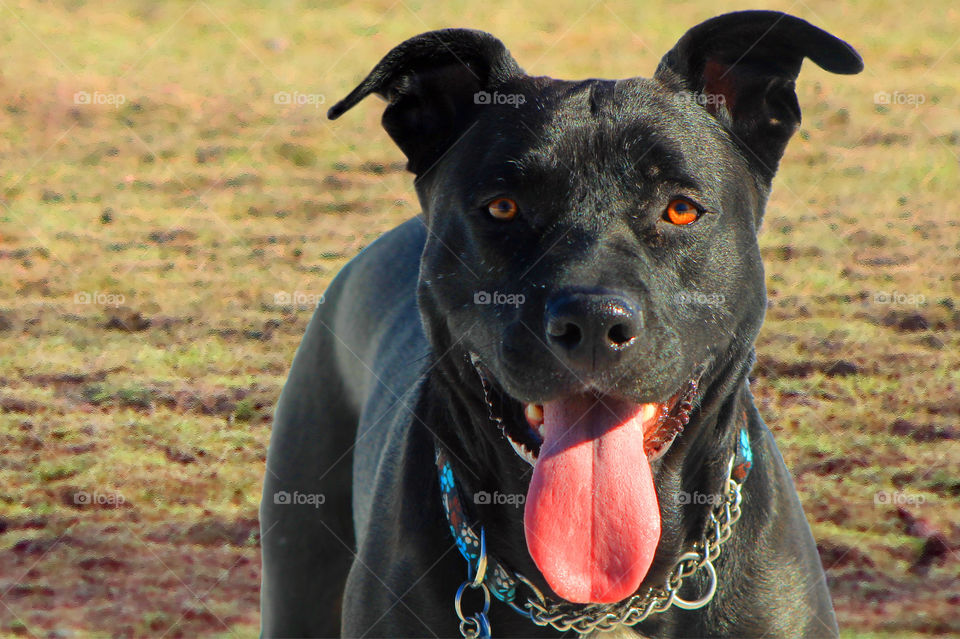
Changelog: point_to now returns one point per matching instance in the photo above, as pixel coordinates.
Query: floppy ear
(433, 83)
(743, 66)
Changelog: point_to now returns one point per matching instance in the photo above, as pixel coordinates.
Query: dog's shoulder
(372, 302)
(383, 273)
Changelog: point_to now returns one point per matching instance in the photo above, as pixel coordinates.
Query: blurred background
(173, 203)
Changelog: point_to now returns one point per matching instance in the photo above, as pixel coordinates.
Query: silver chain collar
(632, 611)
(629, 612)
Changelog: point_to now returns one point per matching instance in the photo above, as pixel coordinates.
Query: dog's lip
(669, 427)
(534, 415)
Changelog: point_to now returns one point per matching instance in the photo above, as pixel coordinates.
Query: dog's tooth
(522, 452)
(649, 411)
(534, 414)
(530, 458)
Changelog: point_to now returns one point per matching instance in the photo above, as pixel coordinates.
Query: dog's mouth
(666, 420)
(591, 516)
(663, 423)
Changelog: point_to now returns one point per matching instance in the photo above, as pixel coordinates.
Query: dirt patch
(833, 466)
(210, 532)
(787, 252)
(155, 588)
(125, 319)
(183, 455)
(834, 555)
(908, 322)
(61, 379)
(923, 432)
(772, 368)
(13, 404)
(110, 564)
(167, 236)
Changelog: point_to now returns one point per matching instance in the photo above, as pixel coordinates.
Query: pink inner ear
(716, 81)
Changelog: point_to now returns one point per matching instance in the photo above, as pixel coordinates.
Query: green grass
(188, 198)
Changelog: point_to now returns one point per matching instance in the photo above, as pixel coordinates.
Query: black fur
(383, 370)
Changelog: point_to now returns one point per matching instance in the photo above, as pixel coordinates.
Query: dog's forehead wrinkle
(631, 143)
(602, 94)
(598, 155)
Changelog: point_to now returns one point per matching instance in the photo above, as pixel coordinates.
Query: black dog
(584, 284)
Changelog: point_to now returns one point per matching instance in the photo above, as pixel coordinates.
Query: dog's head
(592, 247)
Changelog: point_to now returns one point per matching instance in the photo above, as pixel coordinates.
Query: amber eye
(503, 208)
(681, 211)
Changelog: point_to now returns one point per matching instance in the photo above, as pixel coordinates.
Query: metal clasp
(477, 625)
(705, 599)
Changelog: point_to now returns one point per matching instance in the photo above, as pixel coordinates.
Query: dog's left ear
(434, 82)
(742, 67)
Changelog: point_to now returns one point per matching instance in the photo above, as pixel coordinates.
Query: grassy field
(172, 197)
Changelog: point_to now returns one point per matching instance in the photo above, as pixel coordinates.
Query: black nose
(592, 329)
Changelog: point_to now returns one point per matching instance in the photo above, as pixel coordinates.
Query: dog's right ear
(434, 84)
(748, 61)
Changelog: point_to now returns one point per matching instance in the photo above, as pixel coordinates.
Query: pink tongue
(591, 518)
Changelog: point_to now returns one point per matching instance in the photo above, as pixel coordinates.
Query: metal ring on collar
(464, 586)
(705, 599)
(477, 627)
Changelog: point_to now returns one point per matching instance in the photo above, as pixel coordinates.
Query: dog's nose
(591, 330)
